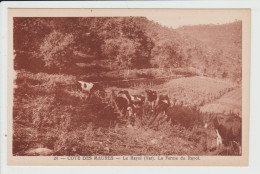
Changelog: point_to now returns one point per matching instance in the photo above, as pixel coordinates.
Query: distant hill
(213, 50)
(225, 40)
(227, 37)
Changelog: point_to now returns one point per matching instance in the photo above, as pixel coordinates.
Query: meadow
(49, 112)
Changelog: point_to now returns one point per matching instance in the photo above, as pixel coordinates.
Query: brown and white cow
(90, 87)
(136, 100)
(84, 86)
(228, 130)
(123, 103)
(163, 104)
(151, 97)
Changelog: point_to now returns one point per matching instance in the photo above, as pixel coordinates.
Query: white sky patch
(176, 18)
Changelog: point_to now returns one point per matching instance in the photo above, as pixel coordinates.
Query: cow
(228, 130)
(163, 104)
(151, 97)
(89, 88)
(123, 103)
(136, 100)
(85, 86)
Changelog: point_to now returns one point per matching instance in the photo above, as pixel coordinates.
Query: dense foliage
(59, 44)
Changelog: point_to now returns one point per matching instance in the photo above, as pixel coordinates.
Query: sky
(177, 18)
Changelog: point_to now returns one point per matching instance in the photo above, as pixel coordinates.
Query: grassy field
(230, 102)
(192, 91)
(50, 113)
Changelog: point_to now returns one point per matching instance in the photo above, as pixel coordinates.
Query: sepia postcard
(128, 87)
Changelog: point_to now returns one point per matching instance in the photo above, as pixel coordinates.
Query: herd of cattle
(228, 128)
(128, 103)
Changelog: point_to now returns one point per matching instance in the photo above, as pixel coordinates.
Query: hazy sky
(168, 17)
(176, 18)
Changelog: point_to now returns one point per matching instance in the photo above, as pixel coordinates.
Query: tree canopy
(58, 44)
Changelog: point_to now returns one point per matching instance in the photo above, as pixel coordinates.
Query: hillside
(107, 44)
(196, 91)
(226, 37)
(230, 102)
(225, 40)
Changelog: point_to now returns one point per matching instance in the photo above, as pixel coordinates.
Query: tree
(56, 50)
(29, 33)
(167, 54)
(121, 50)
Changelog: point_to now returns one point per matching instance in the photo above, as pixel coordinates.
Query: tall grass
(49, 112)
